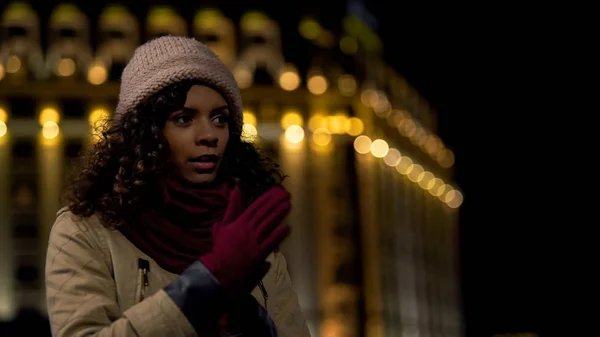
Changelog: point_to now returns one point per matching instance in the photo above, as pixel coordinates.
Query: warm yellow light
(249, 133)
(448, 190)
(354, 126)
(365, 96)
(99, 115)
(380, 104)
(321, 137)
(432, 144)
(249, 118)
(309, 29)
(453, 198)
(362, 144)
(3, 129)
(317, 121)
(379, 148)
(208, 18)
(50, 130)
(337, 123)
(385, 112)
(49, 115)
(162, 16)
(254, 21)
(291, 118)
(410, 129)
(1, 71)
(434, 184)
(348, 45)
(65, 13)
(294, 134)
(422, 142)
(331, 328)
(419, 137)
(425, 178)
(289, 80)
(243, 77)
(97, 74)
(392, 118)
(13, 64)
(114, 15)
(3, 115)
(66, 67)
(396, 118)
(400, 124)
(446, 158)
(439, 191)
(415, 172)
(317, 84)
(375, 97)
(347, 85)
(407, 128)
(392, 158)
(404, 165)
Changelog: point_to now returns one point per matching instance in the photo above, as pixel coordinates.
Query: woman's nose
(205, 134)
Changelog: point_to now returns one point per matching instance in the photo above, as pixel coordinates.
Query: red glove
(242, 244)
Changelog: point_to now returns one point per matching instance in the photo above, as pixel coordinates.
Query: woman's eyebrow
(221, 109)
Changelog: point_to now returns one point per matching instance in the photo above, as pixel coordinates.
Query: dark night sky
(477, 71)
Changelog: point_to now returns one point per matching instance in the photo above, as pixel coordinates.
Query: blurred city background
(376, 247)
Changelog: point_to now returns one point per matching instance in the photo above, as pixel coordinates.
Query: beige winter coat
(95, 288)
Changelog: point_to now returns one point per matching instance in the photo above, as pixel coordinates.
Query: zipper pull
(145, 273)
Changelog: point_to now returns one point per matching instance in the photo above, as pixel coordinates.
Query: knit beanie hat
(166, 60)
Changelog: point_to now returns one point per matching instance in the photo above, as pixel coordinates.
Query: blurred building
(374, 247)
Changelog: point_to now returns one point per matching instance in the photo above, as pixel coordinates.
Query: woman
(173, 221)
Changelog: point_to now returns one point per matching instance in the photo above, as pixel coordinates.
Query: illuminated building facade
(374, 247)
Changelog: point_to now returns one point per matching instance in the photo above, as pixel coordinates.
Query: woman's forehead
(201, 97)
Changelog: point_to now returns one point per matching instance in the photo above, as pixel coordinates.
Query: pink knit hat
(166, 60)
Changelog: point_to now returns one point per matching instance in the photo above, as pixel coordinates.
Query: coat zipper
(263, 290)
(143, 269)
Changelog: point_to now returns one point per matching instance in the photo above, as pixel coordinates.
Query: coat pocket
(142, 280)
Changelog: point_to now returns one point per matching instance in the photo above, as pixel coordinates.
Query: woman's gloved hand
(244, 239)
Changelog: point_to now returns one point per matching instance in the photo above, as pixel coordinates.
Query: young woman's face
(198, 134)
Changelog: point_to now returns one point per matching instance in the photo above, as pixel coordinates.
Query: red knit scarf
(175, 227)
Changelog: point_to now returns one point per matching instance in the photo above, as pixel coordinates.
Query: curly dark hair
(131, 153)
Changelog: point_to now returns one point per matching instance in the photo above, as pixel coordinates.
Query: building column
(456, 318)
(406, 264)
(421, 263)
(392, 210)
(370, 232)
(300, 248)
(337, 277)
(50, 174)
(7, 277)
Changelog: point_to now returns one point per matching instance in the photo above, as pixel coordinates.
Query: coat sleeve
(81, 292)
(284, 306)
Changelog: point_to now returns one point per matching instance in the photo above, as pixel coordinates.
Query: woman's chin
(200, 178)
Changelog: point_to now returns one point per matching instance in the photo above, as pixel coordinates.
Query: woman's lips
(204, 165)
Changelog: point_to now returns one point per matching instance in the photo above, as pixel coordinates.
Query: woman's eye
(220, 119)
(183, 119)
